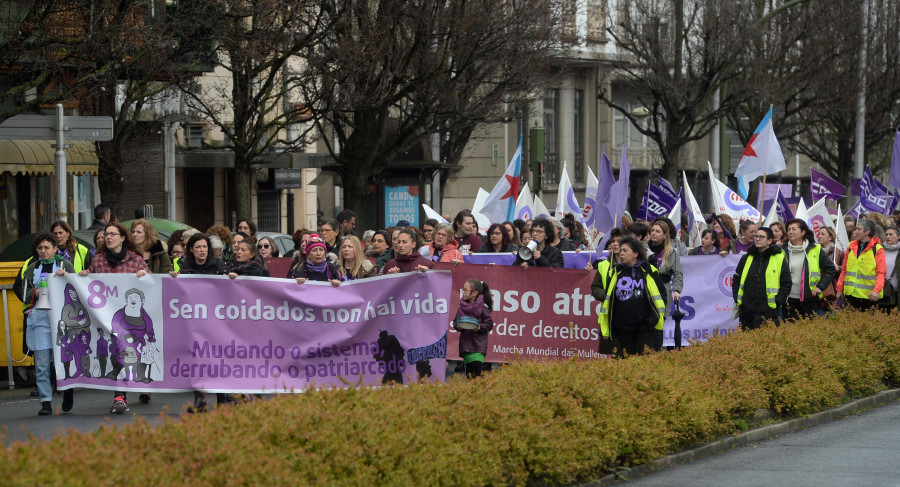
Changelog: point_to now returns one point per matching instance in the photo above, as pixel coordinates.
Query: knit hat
(315, 240)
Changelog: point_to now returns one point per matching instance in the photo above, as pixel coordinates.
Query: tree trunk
(242, 181)
(356, 187)
(110, 177)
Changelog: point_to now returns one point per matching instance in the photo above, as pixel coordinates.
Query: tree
(396, 71)
(103, 57)
(807, 65)
(677, 54)
(256, 43)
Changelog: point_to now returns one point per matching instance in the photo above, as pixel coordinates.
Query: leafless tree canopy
(675, 55)
(395, 71)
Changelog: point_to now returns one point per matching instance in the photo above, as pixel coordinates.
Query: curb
(759, 434)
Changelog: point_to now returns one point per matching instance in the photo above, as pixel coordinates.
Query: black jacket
(755, 286)
(550, 257)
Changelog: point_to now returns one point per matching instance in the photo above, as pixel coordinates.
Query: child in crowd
(474, 322)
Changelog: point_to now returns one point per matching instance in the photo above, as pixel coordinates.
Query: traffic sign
(44, 127)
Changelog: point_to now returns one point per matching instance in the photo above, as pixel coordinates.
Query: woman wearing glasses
(444, 248)
(543, 231)
(267, 248)
(118, 255)
(762, 281)
(498, 240)
(329, 232)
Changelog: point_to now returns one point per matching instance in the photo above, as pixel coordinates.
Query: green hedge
(529, 422)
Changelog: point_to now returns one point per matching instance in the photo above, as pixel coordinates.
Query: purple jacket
(474, 341)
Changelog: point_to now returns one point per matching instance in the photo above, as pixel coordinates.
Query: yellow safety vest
(659, 305)
(176, 264)
(859, 280)
(815, 272)
(77, 260)
(773, 278)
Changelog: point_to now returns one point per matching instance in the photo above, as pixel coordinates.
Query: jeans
(42, 373)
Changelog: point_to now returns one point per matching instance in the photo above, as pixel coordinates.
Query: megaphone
(43, 301)
(527, 252)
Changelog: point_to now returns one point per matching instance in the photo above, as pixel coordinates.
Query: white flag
(482, 221)
(540, 209)
(430, 213)
(525, 204)
(695, 217)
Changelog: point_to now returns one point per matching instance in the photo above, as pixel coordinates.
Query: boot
(68, 400)
(46, 409)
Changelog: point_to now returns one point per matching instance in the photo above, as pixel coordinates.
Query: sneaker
(46, 409)
(120, 405)
(198, 408)
(144, 398)
(68, 400)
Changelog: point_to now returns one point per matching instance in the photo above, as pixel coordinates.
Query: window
(195, 136)
(551, 138)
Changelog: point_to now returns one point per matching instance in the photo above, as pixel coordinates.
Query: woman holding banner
(543, 231)
(708, 244)
(406, 258)
(498, 240)
(198, 259)
(118, 255)
(352, 262)
(44, 262)
(443, 247)
(811, 271)
(633, 312)
(316, 267)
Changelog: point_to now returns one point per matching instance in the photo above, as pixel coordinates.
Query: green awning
(36, 157)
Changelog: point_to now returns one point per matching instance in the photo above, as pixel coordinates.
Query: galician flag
(500, 205)
(761, 156)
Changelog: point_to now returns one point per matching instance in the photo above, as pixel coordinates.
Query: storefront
(28, 188)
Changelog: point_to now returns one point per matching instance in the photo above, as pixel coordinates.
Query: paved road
(19, 419)
(858, 450)
(18, 412)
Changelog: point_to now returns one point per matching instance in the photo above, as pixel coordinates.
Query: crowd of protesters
(786, 270)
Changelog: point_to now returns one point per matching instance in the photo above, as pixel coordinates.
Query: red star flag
(500, 205)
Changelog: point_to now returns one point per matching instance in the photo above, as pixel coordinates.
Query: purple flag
(666, 187)
(617, 198)
(642, 211)
(822, 186)
(784, 211)
(855, 210)
(603, 218)
(873, 196)
(658, 202)
(894, 180)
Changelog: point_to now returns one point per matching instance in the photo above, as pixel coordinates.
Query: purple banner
(706, 299)
(252, 334)
(573, 260)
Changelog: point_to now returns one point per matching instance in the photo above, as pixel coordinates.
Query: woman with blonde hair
(147, 245)
(352, 261)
